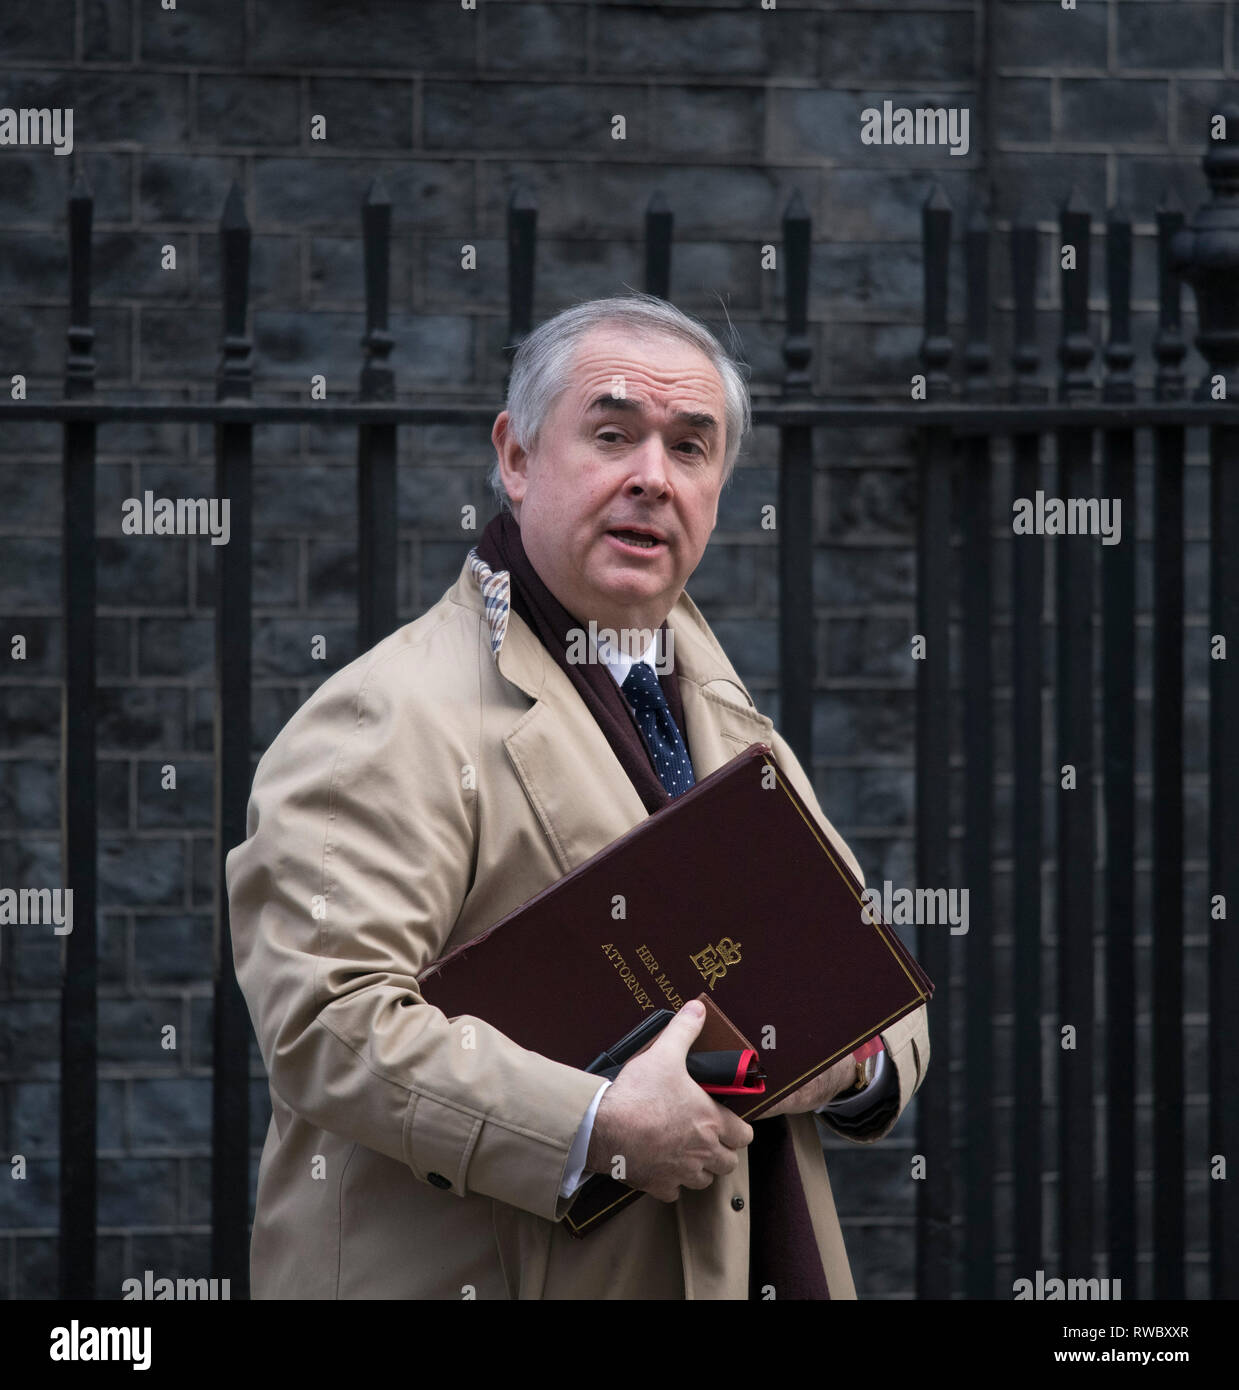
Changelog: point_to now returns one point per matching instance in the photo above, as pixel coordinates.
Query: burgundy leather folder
(731, 891)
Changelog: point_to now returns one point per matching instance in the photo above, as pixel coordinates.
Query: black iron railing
(955, 438)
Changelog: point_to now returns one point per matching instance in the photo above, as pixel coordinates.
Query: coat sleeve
(907, 1040)
(361, 834)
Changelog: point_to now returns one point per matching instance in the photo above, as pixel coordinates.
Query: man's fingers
(735, 1132)
(727, 1162)
(683, 1029)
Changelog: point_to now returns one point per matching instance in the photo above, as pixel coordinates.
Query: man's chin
(619, 587)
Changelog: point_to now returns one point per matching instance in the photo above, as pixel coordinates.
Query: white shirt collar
(619, 663)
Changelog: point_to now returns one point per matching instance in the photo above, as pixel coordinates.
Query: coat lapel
(575, 783)
(579, 790)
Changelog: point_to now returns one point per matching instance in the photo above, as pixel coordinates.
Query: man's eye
(610, 435)
(692, 444)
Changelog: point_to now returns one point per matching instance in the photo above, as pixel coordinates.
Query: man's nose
(649, 465)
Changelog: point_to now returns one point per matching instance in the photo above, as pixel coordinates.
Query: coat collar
(550, 743)
(522, 658)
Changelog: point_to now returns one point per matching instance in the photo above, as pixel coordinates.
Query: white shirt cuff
(573, 1176)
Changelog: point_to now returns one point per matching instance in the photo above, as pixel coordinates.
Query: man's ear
(513, 460)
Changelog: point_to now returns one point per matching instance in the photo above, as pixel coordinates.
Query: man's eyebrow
(699, 419)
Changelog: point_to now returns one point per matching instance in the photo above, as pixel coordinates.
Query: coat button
(438, 1179)
(737, 1204)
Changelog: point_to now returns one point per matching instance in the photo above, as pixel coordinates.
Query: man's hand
(669, 1132)
(826, 1085)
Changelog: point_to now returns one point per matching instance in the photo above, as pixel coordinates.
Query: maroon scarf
(782, 1249)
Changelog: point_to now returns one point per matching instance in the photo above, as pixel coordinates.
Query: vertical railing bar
(522, 256)
(658, 224)
(1076, 854)
(1207, 253)
(78, 789)
(230, 1128)
(377, 503)
(935, 1263)
(1223, 861)
(795, 509)
(976, 566)
(1223, 837)
(1169, 1173)
(1118, 582)
(1027, 677)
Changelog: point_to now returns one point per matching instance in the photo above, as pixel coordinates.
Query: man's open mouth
(637, 538)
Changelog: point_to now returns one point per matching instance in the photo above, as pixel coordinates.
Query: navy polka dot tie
(655, 721)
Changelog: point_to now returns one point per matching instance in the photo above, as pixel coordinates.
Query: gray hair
(542, 362)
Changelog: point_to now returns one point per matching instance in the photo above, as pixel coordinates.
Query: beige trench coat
(420, 794)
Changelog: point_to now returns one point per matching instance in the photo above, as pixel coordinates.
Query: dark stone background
(728, 107)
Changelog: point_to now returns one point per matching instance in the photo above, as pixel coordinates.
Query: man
(445, 777)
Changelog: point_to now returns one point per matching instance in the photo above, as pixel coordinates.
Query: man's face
(635, 441)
